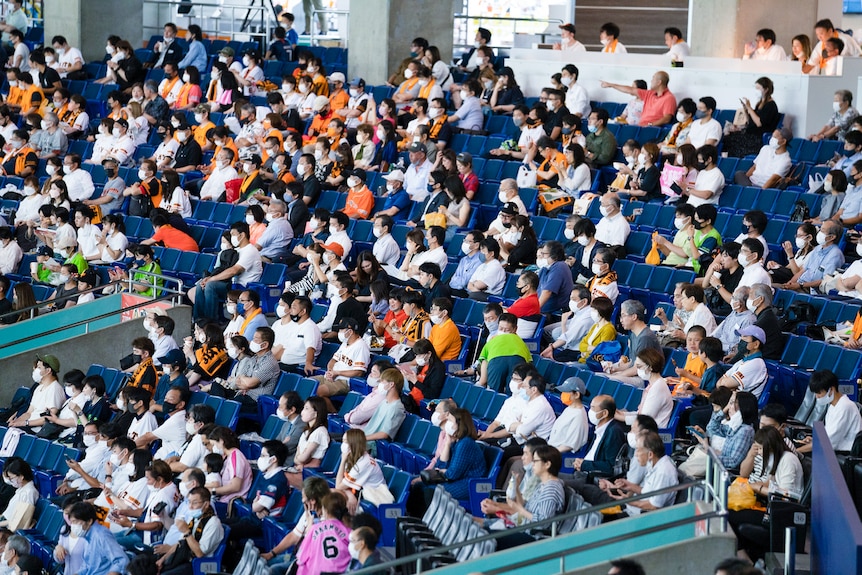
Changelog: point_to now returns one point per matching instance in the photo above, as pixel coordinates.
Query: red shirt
(656, 106)
(470, 181)
(526, 306)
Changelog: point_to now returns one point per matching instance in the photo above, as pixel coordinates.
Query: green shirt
(505, 345)
(77, 259)
(152, 267)
(603, 145)
(705, 244)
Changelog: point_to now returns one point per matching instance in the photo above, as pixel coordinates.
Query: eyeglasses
(538, 461)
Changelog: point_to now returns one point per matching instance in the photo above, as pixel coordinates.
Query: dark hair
(610, 29)
(646, 423)
(321, 413)
(731, 249)
(673, 31)
(712, 349)
(709, 102)
(492, 246)
(746, 403)
(754, 245)
(17, 466)
(550, 455)
(757, 219)
(604, 306)
(214, 462)
(775, 411)
(822, 381)
(585, 227)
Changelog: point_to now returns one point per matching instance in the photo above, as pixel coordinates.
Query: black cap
(45, 251)
(359, 173)
(510, 209)
(347, 323)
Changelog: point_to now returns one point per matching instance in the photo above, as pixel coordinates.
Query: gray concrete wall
(105, 346)
(694, 556)
(720, 28)
(381, 32)
(86, 24)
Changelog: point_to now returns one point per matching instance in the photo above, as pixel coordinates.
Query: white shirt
(88, 240)
(754, 274)
(679, 51)
(67, 59)
(214, 185)
(437, 256)
(699, 132)
(386, 250)
(296, 338)
(492, 274)
(657, 402)
(750, 375)
(170, 497)
(768, 163)
(572, 48)
(341, 238)
(855, 269)
(117, 242)
(320, 436)
(141, 425)
(851, 48)
(171, 96)
(93, 465)
(194, 453)
(352, 356)
(842, 423)
(173, 435)
(531, 135)
(65, 235)
(774, 53)
(712, 180)
(511, 411)
(10, 257)
(179, 203)
(613, 230)
(249, 260)
(49, 396)
(578, 100)
(80, 185)
(571, 429)
(28, 208)
(661, 476)
(703, 317)
(577, 327)
(537, 420)
(597, 440)
(416, 181)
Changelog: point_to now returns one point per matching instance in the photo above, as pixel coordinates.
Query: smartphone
(695, 431)
(617, 492)
(673, 361)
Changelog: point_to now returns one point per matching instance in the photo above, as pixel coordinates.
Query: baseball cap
(752, 331)
(174, 357)
(510, 209)
(394, 176)
(227, 51)
(51, 361)
(319, 103)
(337, 77)
(110, 160)
(45, 251)
(335, 248)
(359, 173)
(574, 383)
(465, 158)
(357, 83)
(416, 147)
(347, 323)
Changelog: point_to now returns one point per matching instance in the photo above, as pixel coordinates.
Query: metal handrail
(315, 12)
(233, 9)
(169, 293)
(719, 512)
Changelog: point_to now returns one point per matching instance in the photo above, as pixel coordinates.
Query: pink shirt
(236, 465)
(324, 549)
(656, 106)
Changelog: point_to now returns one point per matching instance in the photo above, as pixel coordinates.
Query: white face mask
(232, 352)
(735, 420)
(451, 428)
(421, 361)
(596, 269)
(679, 223)
(408, 73)
(632, 439)
(594, 315)
(836, 106)
(465, 248)
(594, 418)
(436, 418)
(641, 158)
(89, 440)
(801, 243)
(231, 308)
(604, 211)
(434, 112)
(116, 460)
(573, 306)
(342, 336)
(234, 241)
(254, 346)
(184, 489)
(542, 263)
(143, 174)
(566, 80)
(249, 219)
(859, 249)
(76, 529)
(182, 137)
(680, 117)
(644, 374)
(190, 428)
(436, 320)
(742, 260)
(70, 391)
(750, 305)
(826, 399)
(821, 238)
(263, 462)
(464, 94)
(281, 311)
(37, 374)
(569, 234)
(353, 551)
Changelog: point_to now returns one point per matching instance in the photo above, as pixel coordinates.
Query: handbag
(140, 205)
(605, 351)
(435, 219)
(695, 465)
(526, 177)
(22, 518)
(433, 476)
(379, 495)
(621, 182)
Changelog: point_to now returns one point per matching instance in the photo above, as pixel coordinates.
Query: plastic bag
(740, 495)
(653, 258)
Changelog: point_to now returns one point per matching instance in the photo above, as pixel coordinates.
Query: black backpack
(798, 312)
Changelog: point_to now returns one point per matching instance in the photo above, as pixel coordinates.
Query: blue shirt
(275, 240)
(196, 56)
(103, 554)
(822, 260)
(400, 199)
(464, 271)
(845, 162)
(556, 279)
(470, 116)
(852, 203)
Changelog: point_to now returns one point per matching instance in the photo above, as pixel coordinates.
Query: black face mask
(294, 317)
(137, 357)
(742, 347)
(507, 225)
(700, 166)
(168, 407)
(698, 225)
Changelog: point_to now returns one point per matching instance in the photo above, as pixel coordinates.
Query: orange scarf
(250, 317)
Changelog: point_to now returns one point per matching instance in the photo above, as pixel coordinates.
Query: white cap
(394, 176)
(337, 77)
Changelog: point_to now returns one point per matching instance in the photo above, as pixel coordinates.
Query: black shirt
(48, 78)
(555, 120)
(730, 281)
(6, 307)
(312, 188)
(188, 154)
(439, 289)
(354, 309)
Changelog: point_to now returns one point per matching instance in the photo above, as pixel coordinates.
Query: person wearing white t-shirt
(511, 410)
(172, 432)
(772, 163)
(435, 236)
(351, 359)
(823, 30)
(692, 301)
(385, 248)
(569, 44)
(298, 339)
(848, 283)
(70, 59)
(490, 277)
(842, 420)
(705, 129)
(748, 374)
(210, 292)
(678, 49)
(88, 234)
(577, 98)
(79, 183)
(137, 401)
(338, 222)
(613, 229)
(764, 48)
(710, 181)
(751, 259)
(571, 430)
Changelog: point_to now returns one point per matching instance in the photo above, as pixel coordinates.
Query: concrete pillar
(381, 32)
(720, 28)
(86, 24)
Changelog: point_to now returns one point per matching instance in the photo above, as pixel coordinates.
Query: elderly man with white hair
(739, 318)
(275, 240)
(50, 140)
